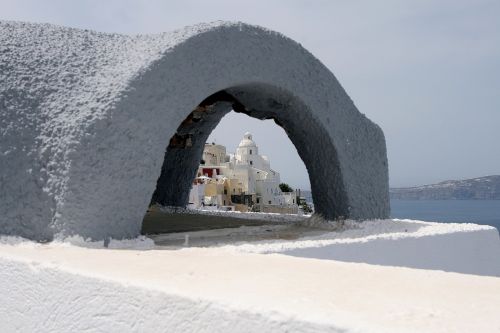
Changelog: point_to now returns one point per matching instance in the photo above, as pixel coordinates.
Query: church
(242, 181)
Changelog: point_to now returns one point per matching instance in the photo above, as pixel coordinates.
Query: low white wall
(453, 247)
(62, 288)
(133, 286)
(474, 252)
(40, 298)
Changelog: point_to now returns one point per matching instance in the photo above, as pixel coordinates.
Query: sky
(427, 72)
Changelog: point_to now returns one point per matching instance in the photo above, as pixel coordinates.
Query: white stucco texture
(87, 122)
(133, 286)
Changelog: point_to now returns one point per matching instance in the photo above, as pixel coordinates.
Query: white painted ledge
(453, 247)
(62, 288)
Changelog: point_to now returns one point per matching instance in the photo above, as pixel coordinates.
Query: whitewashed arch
(86, 118)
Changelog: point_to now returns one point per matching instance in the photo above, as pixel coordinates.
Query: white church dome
(247, 141)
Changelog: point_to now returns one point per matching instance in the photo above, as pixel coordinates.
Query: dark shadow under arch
(260, 101)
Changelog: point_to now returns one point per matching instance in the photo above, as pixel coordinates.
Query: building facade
(241, 181)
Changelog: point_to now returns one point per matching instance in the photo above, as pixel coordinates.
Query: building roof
(247, 141)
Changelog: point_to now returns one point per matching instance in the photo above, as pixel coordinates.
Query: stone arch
(89, 162)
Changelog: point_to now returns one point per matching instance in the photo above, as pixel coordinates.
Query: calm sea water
(473, 211)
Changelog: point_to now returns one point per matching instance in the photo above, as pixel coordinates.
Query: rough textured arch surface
(85, 119)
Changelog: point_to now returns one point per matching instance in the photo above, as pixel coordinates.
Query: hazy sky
(428, 72)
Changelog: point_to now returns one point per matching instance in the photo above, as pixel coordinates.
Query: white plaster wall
(40, 298)
(132, 288)
(453, 247)
(475, 252)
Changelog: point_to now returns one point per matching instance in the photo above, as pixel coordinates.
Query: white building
(246, 176)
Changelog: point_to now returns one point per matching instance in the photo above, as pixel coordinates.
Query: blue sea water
(473, 211)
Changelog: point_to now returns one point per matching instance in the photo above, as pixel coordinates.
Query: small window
(258, 200)
(269, 201)
(251, 162)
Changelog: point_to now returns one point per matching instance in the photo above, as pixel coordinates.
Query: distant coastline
(482, 188)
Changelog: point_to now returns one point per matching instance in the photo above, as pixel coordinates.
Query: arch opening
(182, 156)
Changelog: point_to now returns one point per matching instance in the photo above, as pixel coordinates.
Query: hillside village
(243, 181)
(482, 188)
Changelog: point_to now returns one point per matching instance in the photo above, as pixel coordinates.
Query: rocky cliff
(482, 188)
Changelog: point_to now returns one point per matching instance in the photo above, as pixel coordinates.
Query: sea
(460, 211)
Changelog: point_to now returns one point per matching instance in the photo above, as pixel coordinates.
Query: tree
(284, 187)
(306, 208)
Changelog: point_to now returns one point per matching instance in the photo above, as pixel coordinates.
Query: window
(258, 200)
(269, 201)
(250, 153)
(251, 162)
